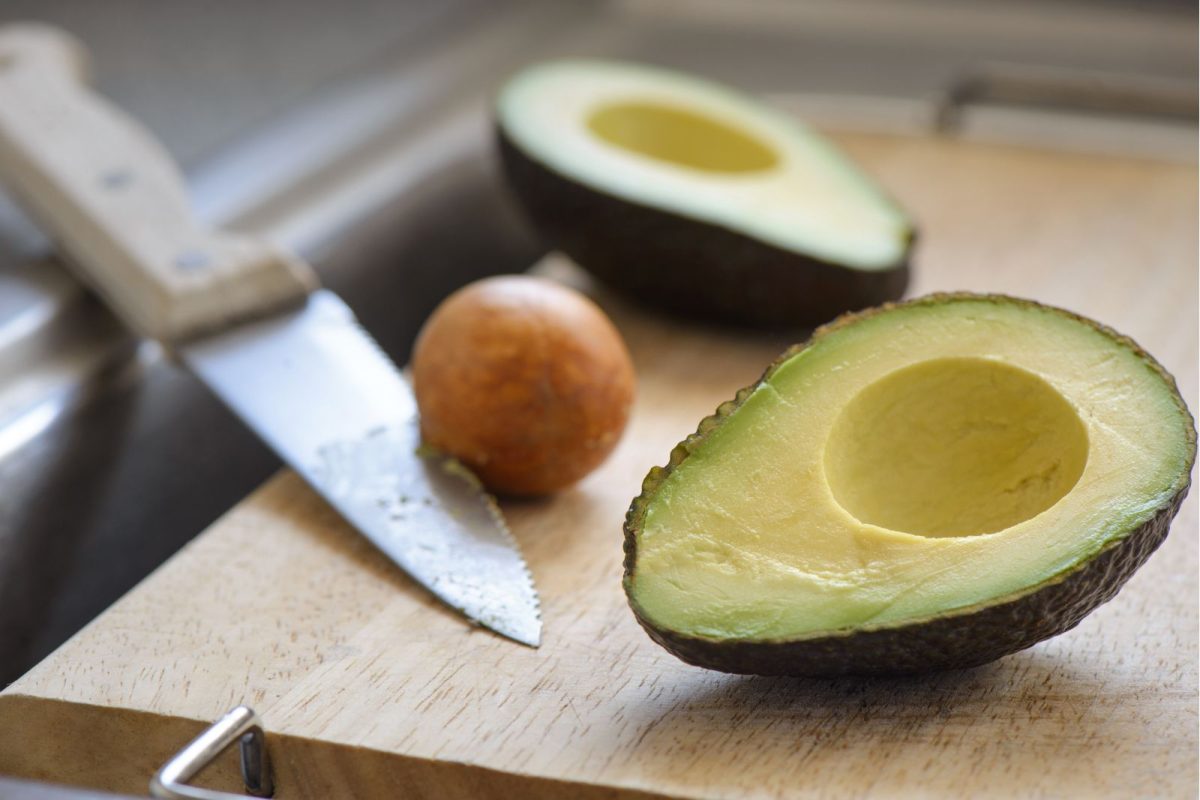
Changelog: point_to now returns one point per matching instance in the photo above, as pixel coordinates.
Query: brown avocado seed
(525, 381)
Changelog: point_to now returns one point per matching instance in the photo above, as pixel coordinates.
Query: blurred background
(356, 133)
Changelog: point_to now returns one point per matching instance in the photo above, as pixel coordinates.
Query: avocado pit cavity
(680, 136)
(954, 447)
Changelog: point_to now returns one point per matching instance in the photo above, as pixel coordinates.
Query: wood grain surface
(371, 689)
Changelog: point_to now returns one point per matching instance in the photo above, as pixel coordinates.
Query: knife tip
(529, 634)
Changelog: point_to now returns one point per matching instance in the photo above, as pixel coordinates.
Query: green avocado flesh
(909, 464)
(697, 149)
(697, 199)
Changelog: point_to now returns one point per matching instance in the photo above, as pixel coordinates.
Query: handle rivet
(192, 260)
(116, 179)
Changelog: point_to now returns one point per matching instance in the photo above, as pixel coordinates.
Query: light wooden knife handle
(116, 204)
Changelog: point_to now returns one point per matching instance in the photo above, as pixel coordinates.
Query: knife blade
(248, 321)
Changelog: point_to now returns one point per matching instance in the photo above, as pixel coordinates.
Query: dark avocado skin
(686, 267)
(958, 639)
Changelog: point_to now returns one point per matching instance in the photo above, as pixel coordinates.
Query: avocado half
(692, 197)
(923, 486)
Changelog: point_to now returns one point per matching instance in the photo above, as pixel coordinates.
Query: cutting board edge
(53, 740)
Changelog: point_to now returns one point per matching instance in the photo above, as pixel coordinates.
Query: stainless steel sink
(357, 134)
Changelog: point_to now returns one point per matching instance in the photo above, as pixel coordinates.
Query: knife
(249, 320)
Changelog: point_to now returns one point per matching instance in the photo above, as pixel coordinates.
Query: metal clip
(240, 725)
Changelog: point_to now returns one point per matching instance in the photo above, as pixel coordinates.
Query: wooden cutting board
(370, 689)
